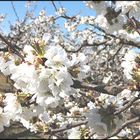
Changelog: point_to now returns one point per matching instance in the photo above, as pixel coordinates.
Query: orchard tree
(82, 83)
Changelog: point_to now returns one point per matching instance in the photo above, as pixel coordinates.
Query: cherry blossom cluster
(77, 83)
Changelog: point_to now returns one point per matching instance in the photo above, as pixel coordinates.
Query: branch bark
(99, 88)
(12, 47)
(68, 126)
(134, 120)
(126, 106)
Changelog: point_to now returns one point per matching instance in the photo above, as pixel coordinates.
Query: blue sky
(73, 8)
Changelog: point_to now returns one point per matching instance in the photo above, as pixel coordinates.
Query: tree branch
(98, 88)
(88, 97)
(14, 48)
(68, 126)
(84, 45)
(136, 135)
(126, 105)
(122, 40)
(14, 10)
(4, 49)
(112, 57)
(134, 120)
(54, 5)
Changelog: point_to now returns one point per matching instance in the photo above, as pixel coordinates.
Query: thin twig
(68, 126)
(112, 57)
(122, 40)
(10, 46)
(136, 135)
(98, 88)
(15, 10)
(4, 49)
(134, 120)
(89, 97)
(85, 45)
(126, 105)
(54, 5)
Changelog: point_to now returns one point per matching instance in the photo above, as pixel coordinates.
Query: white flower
(99, 7)
(74, 133)
(12, 107)
(91, 105)
(126, 93)
(29, 51)
(25, 78)
(52, 102)
(102, 22)
(131, 6)
(4, 120)
(43, 85)
(63, 77)
(40, 98)
(56, 81)
(115, 137)
(130, 36)
(2, 17)
(61, 11)
(25, 123)
(56, 56)
(94, 121)
(46, 37)
(136, 94)
(125, 132)
(74, 109)
(129, 63)
(83, 20)
(106, 79)
(44, 117)
(42, 13)
(83, 68)
(27, 114)
(7, 67)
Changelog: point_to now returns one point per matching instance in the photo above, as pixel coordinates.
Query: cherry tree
(78, 84)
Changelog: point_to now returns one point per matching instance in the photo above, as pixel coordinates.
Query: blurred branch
(126, 106)
(54, 5)
(85, 44)
(4, 49)
(88, 97)
(15, 10)
(14, 48)
(136, 135)
(118, 50)
(134, 120)
(122, 40)
(99, 88)
(68, 126)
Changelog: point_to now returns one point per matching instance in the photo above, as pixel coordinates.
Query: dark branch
(14, 10)
(68, 126)
(123, 41)
(127, 105)
(112, 57)
(89, 97)
(134, 120)
(136, 135)
(4, 49)
(14, 48)
(54, 5)
(85, 44)
(98, 88)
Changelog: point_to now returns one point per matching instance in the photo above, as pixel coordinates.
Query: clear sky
(73, 8)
